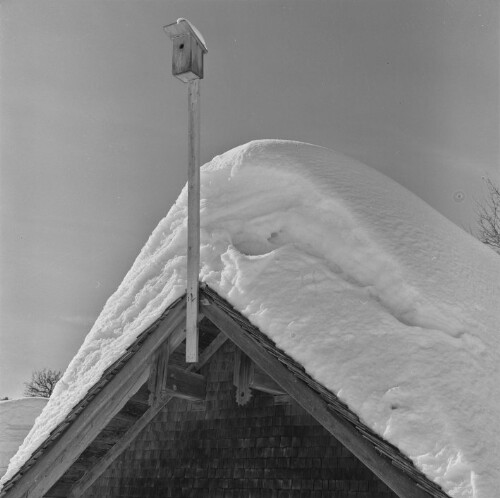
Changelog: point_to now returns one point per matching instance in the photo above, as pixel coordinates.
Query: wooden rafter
(119, 447)
(60, 455)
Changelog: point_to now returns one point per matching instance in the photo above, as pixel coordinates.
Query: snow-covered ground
(16, 419)
(382, 299)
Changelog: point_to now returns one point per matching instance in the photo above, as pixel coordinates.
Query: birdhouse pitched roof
(340, 285)
(183, 26)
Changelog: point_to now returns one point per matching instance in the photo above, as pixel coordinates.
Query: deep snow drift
(382, 299)
(16, 419)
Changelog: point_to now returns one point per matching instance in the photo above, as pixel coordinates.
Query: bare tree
(488, 214)
(42, 383)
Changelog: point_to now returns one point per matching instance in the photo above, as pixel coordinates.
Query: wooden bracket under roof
(247, 377)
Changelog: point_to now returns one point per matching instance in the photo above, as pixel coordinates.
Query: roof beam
(117, 449)
(344, 432)
(62, 453)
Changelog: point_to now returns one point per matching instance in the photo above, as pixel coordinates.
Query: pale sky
(93, 130)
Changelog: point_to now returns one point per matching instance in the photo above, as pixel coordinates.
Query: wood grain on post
(193, 250)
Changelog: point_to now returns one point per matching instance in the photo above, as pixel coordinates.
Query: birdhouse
(188, 51)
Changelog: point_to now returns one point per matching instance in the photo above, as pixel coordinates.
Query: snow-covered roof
(195, 30)
(183, 26)
(382, 300)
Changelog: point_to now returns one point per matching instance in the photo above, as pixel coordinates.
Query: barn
(246, 420)
(331, 362)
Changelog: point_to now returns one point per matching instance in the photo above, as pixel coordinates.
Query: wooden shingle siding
(219, 449)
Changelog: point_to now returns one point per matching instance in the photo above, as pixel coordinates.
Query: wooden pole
(187, 65)
(193, 249)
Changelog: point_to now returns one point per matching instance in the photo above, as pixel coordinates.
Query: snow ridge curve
(382, 300)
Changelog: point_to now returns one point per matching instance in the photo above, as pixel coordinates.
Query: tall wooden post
(187, 65)
(193, 248)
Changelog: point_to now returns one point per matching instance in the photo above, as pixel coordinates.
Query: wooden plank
(397, 480)
(185, 385)
(243, 371)
(193, 245)
(182, 56)
(158, 374)
(61, 454)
